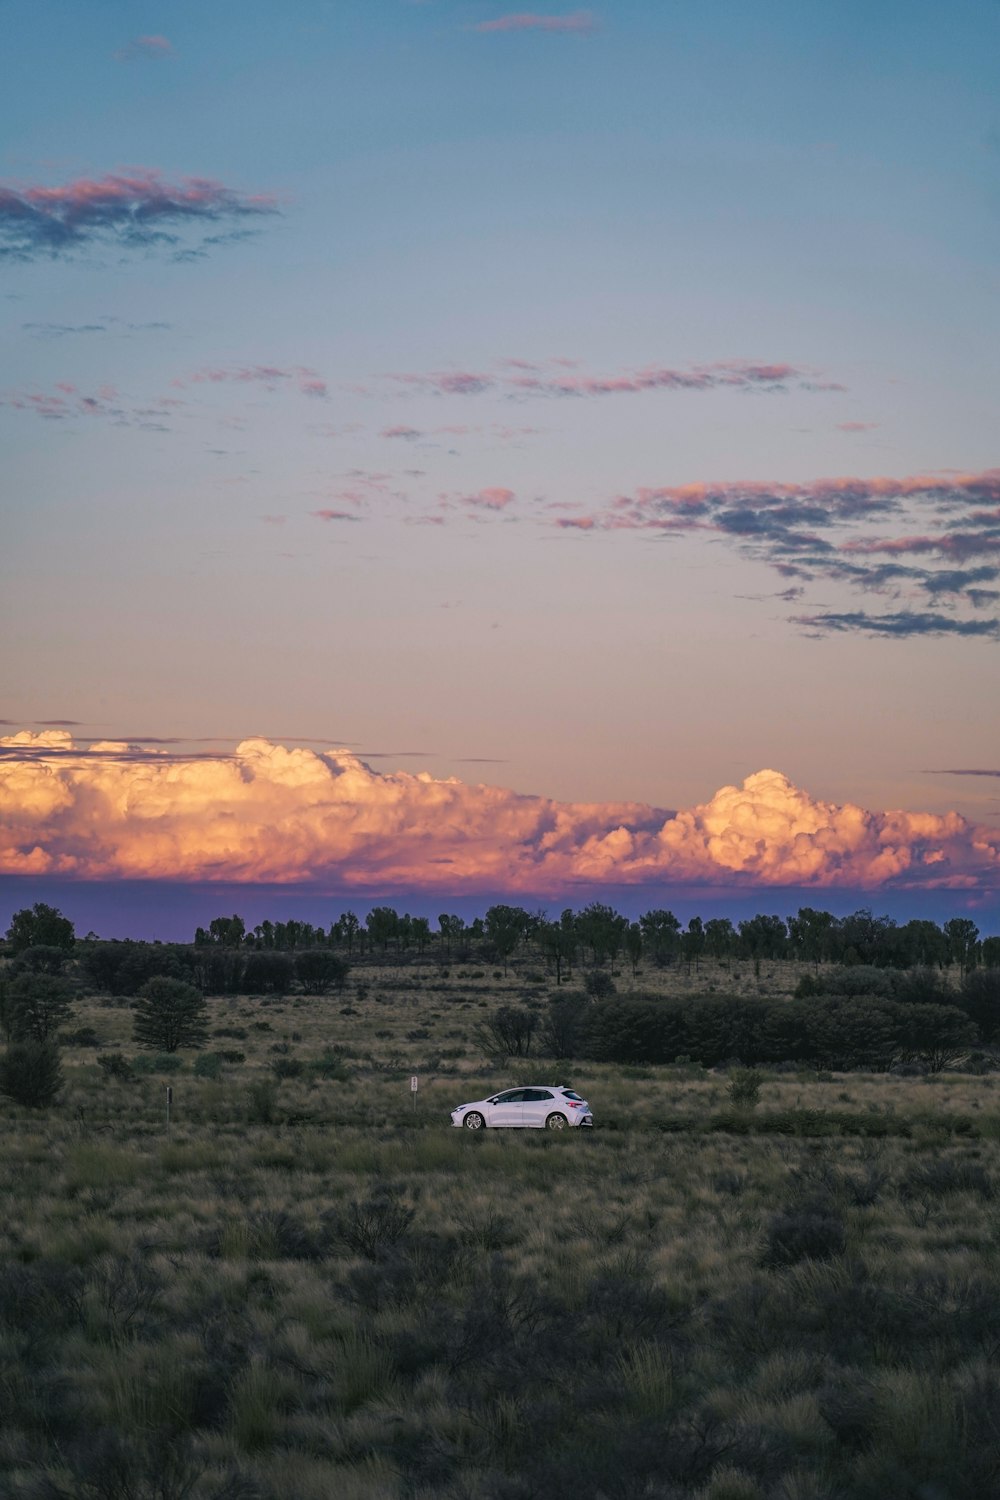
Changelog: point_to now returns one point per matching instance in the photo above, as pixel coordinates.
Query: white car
(548, 1106)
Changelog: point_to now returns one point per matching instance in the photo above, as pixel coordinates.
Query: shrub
(744, 1088)
(810, 1230)
(30, 1074)
(262, 1101)
(599, 984)
(376, 1224)
(84, 1036)
(288, 1067)
(208, 1065)
(115, 1065)
(43, 958)
(170, 1014)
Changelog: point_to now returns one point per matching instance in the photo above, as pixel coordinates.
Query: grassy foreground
(303, 1287)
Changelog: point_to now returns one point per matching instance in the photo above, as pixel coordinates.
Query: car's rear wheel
(473, 1120)
(556, 1122)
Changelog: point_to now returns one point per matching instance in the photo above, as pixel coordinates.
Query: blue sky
(386, 431)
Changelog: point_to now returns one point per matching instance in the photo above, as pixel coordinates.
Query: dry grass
(663, 1308)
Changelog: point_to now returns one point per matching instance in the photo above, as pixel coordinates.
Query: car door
(538, 1105)
(506, 1109)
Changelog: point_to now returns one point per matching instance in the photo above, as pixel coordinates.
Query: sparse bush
(376, 1224)
(809, 1230)
(508, 1031)
(115, 1065)
(599, 984)
(744, 1088)
(262, 1101)
(288, 1067)
(208, 1065)
(30, 1074)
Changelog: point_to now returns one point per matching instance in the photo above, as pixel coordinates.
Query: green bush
(30, 1074)
(170, 1014)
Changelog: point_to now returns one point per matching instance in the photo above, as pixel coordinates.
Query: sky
(455, 451)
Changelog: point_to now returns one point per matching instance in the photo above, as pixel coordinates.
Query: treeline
(599, 935)
(847, 1018)
(595, 936)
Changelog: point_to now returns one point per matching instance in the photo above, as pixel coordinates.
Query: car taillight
(574, 1104)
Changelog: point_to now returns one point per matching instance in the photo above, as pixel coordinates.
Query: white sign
(414, 1084)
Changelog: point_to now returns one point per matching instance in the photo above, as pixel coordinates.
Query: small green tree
(170, 1014)
(40, 925)
(34, 1006)
(318, 970)
(30, 1074)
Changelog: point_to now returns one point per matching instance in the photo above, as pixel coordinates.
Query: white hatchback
(548, 1106)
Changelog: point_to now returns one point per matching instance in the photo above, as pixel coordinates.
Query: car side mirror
(491, 1101)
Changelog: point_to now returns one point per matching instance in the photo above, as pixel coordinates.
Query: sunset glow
(454, 448)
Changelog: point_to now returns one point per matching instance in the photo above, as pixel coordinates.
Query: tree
(601, 930)
(228, 932)
(936, 1035)
(505, 927)
(42, 958)
(383, 925)
(34, 1006)
(318, 970)
(962, 937)
(720, 938)
(268, 973)
(557, 941)
(348, 925)
(661, 935)
(40, 925)
(170, 1014)
(980, 999)
(633, 946)
(811, 935)
(30, 1074)
(693, 943)
(763, 937)
(990, 952)
(508, 1032)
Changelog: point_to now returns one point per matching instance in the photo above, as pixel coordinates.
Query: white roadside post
(414, 1085)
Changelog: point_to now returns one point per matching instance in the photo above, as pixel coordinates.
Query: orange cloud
(269, 813)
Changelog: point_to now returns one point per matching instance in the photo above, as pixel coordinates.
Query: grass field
(304, 1287)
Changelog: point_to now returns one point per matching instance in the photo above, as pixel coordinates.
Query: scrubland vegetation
(752, 1281)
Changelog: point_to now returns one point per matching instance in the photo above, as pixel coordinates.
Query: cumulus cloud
(578, 22)
(118, 810)
(131, 210)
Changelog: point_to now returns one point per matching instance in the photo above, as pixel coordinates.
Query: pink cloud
(524, 378)
(270, 813)
(334, 515)
(856, 426)
(408, 434)
(489, 499)
(579, 22)
(135, 209)
(306, 381)
(145, 46)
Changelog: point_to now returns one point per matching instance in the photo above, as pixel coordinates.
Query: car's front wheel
(473, 1120)
(556, 1122)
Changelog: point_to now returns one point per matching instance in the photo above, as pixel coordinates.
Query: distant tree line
(599, 935)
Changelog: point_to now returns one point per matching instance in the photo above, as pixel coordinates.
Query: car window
(569, 1094)
(516, 1096)
(536, 1094)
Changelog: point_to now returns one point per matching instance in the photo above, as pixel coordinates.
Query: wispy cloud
(834, 529)
(952, 772)
(157, 47)
(132, 210)
(904, 623)
(577, 22)
(523, 378)
(306, 381)
(267, 812)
